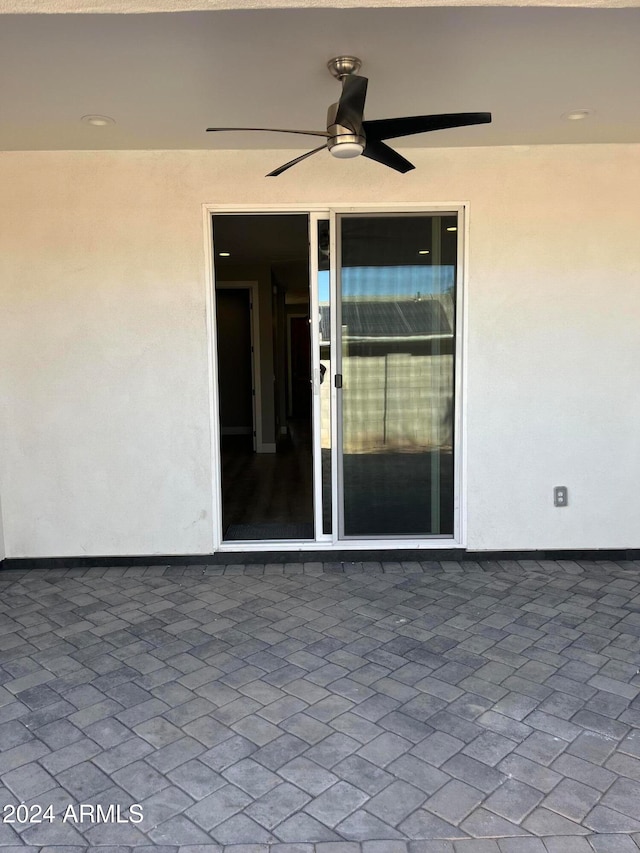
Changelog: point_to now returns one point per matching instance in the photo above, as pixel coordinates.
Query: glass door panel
(324, 375)
(395, 323)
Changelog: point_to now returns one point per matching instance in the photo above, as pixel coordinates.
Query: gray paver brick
(175, 754)
(454, 801)
(476, 845)
(178, 830)
(384, 749)
(586, 772)
(384, 847)
(228, 752)
(572, 799)
(396, 802)
(624, 796)
(242, 828)
(219, 806)
(257, 730)
(425, 824)
(29, 780)
(513, 800)
(158, 731)
(84, 781)
(252, 777)
(333, 749)
(474, 772)
(334, 805)
(196, 779)
(568, 845)
(304, 826)
(541, 747)
(22, 754)
(308, 775)
(140, 780)
(521, 845)
(277, 805)
(363, 825)
(603, 819)
(613, 844)
(483, 823)
(124, 753)
(544, 822)
(69, 756)
(490, 748)
(418, 773)
(363, 774)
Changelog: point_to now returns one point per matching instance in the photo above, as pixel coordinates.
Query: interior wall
(233, 322)
(292, 281)
(262, 274)
(105, 412)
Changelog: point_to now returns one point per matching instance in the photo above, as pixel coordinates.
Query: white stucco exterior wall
(104, 390)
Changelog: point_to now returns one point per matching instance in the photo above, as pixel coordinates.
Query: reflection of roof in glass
(389, 319)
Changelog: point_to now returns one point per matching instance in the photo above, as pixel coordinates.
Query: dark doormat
(269, 530)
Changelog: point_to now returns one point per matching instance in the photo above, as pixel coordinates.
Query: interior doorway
(264, 376)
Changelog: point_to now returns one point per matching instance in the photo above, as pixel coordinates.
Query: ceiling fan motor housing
(343, 142)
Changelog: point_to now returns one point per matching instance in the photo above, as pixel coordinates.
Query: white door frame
(328, 211)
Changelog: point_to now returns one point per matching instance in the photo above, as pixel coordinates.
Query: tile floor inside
(395, 707)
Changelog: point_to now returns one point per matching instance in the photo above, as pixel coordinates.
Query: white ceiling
(165, 77)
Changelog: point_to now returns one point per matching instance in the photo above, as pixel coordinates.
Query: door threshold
(328, 547)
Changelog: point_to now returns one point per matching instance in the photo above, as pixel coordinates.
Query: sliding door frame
(317, 212)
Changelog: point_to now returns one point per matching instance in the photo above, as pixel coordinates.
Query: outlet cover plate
(560, 496)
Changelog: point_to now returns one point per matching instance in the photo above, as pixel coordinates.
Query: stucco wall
(104, 389)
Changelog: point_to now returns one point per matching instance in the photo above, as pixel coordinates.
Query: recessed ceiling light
(452, 228)
(98, 121)
(577, 115)
(423, 252)
(224, 254)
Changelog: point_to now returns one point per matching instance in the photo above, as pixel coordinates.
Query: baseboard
(335, 558)
(266, 448)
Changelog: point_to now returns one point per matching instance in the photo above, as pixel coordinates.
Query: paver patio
(395, 707)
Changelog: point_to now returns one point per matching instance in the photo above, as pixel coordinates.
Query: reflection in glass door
(395, 353)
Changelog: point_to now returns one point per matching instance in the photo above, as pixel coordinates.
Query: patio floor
(396, 707)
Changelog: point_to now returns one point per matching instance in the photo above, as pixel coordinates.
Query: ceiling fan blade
(291, 163)
(271, 130)
(392, 128)
(351, 103)
(381, 153)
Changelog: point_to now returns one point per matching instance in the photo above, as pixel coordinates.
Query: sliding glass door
(336, 376)
(395, 306)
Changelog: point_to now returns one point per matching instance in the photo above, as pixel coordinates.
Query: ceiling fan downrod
(347, 138)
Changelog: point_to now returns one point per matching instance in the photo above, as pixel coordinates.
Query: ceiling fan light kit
(348, 135)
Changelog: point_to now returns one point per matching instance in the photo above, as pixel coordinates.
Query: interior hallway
(268, 495)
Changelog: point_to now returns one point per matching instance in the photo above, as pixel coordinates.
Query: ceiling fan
(349, 135)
